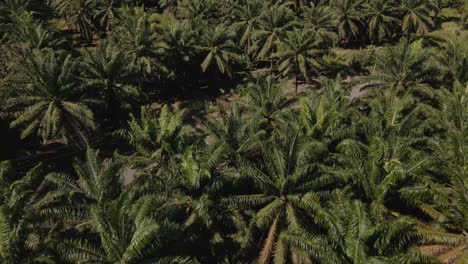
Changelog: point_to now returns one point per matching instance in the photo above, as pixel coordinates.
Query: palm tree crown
(51, 103)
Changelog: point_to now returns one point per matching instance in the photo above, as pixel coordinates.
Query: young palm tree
(382, 18)
(416, 17)
(218, 45)
(49, 102)
(349, 18)
(298, 54)
(289, 180)
(104, 74)
(458, 215)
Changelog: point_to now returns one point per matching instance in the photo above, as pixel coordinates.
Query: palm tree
(104, 74)
(390, 166)
(416, 17)
(454, 60)
(457, 108)
(25, 32)
(322, 19)
(452, 152)
(455, 118)
(134, 34)
(25, 236)
(234, 136)
(404, 66)
(298, 54)
(247, 21)
(126, 235)
(370, 240)
(9, 9)
(382, 18)
(266, 103)
(199, 196)
(218, 45)
(177, 44)
(77, 13)
(450, 244)
(288, 182)
(448, 239)
(107, 13)
(326, 116)
(49, 101)
(13, 7)
(159, 139)
(197, 11)
(95, 181)
(349, 18)
(273, 21)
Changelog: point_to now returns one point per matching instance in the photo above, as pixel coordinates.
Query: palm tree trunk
(297, 73)
(297, 81)
(408, 37)
(271, 67)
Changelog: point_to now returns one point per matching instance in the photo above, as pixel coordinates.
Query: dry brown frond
(268, 244)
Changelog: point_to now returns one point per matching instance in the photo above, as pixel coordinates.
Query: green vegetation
(234, 131)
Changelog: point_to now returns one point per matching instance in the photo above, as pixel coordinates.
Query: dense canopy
(234, 131)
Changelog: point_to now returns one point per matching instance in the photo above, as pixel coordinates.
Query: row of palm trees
(351, 20)
(257, 26)
(318, 178)
(64, 91)
(53, 95)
